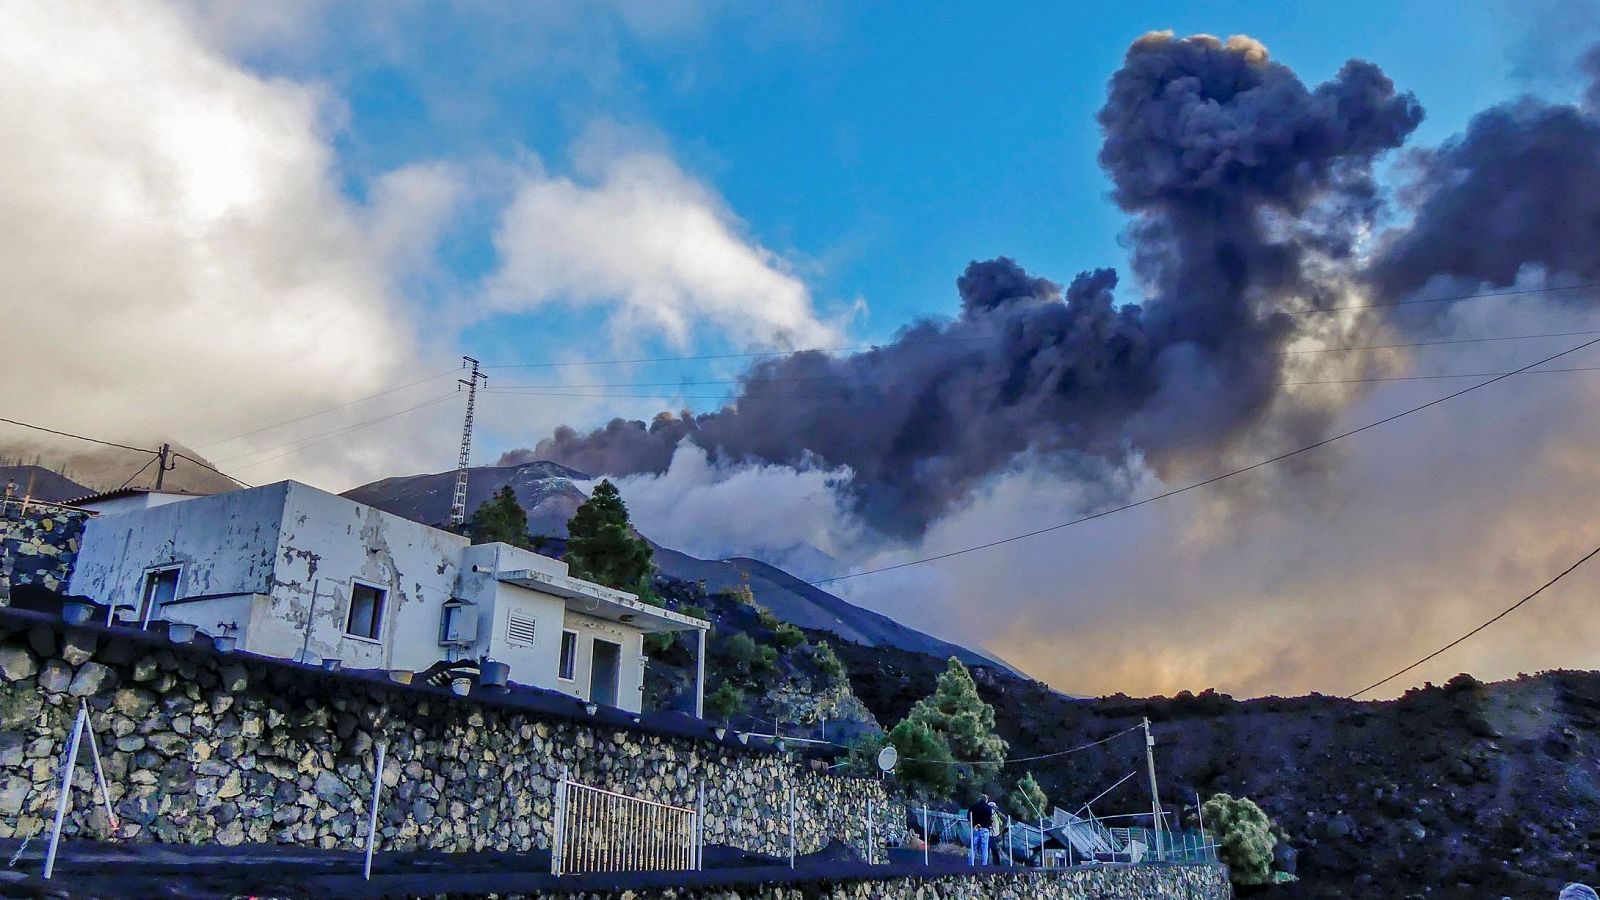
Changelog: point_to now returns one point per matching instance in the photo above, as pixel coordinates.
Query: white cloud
(179, 261)
(796, 518)
(658, 248)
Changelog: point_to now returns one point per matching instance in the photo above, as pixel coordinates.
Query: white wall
(226, 544)
(630, 683)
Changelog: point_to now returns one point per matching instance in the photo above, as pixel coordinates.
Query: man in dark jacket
(981, 814)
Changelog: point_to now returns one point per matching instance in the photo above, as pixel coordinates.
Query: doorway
(604, 672)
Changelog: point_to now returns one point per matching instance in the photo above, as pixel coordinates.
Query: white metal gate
(603, 831)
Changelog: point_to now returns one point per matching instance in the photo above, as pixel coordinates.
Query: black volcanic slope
(42, 484)
(547, 492)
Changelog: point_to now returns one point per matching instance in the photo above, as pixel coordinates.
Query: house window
(366, 612)
(160, 586)
(519, 629)
(569, 655)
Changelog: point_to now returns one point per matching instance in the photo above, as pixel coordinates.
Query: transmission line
(1208, 481)
(1501, 615)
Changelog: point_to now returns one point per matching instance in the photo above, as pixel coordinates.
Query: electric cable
(1501, 615)
(1208, 481)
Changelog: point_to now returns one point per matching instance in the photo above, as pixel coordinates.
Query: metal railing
(597, 830)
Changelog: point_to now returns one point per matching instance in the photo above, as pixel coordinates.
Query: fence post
(558, 839)
(791, 826)
(700, 826)
(927, 833)
(871, 854)
(372, 814)
(65, 794)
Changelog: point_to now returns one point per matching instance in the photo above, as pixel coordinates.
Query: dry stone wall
(37, 545)
(1208, 882)
(203, 747)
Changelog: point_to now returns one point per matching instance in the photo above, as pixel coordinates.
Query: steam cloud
(1220, 155)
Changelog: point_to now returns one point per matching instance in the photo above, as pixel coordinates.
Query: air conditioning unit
(458, 623)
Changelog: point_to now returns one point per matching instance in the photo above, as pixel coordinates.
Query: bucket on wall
(494, 674)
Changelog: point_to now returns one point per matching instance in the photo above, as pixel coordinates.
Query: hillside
(1461, 790)
(89, 468)
(41, 483)
(548, 493)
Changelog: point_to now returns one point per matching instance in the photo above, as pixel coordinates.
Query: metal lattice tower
(458, 504)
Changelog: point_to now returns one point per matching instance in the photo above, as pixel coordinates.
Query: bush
(695, 612)
(766, 618)
(725, 700)
(827, 661)
(1244, 835)
(767, 660)
(659, 642)
(788, 637)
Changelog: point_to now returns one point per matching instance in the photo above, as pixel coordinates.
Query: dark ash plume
(1239, 178)
(1520, 188)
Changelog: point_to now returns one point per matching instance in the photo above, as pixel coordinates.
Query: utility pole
(458, 504)
(1155, 798)
(164, 464)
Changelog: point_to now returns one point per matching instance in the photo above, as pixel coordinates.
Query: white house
(299, 573)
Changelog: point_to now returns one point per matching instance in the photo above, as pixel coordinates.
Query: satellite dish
(887, 757)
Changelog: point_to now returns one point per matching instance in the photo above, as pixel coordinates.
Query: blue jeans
(980, 847)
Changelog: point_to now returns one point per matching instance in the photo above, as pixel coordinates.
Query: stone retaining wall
(37, 546)
(1198, 882)
(202, 747)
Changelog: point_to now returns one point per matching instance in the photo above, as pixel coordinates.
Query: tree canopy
(500, 518)
(1027, 800)
(956, 712)
(602, 546)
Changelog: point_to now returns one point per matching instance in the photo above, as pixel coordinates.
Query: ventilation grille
(519, 629)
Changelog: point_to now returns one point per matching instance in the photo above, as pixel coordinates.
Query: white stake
(100, 773)
(927, 833)
(372, 814)
(65, 795)
(791, 826)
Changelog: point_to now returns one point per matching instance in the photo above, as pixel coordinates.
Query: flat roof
(602, 602)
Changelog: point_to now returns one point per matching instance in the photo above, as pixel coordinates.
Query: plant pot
(181, 632)
(76, 612)
(400, 676)
(224, 642)
(331, 663)
(494, 674)
(461, 686)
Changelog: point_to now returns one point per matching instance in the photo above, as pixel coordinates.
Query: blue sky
(874, 147)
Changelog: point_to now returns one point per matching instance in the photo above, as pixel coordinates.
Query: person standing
(981, 815)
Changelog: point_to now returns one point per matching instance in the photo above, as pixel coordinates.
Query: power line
(210, 468)
(312, 415)
(818, 397)
(834, 377)
(1501, 615)
(1021, 759)
(76, 436)
(1209, 481)
(716, 356)
(328, 436)
(140, 472)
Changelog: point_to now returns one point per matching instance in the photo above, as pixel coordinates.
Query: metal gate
(603, 831)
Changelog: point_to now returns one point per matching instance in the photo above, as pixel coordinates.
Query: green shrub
(659, 642)
(695, 612)
(827, 661)
(1244, 835)
(766, 660)
(766, 618)
(788, 637)
(725, 700)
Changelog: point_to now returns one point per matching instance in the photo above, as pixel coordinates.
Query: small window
(160, 586)
(569, 655)
(366, 612)
(519, 629)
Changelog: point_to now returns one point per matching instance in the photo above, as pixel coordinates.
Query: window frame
(380, 612)
(147, 604)
(563, 661)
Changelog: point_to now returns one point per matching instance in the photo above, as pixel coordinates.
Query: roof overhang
(602, 602)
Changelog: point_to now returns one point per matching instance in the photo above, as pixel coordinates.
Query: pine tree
(602, 547)
(1027, 800)
(1245, 836)
(956, 712)
(500, 518)
(925, 761)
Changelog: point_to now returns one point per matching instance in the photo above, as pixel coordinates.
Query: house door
(604, 672)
